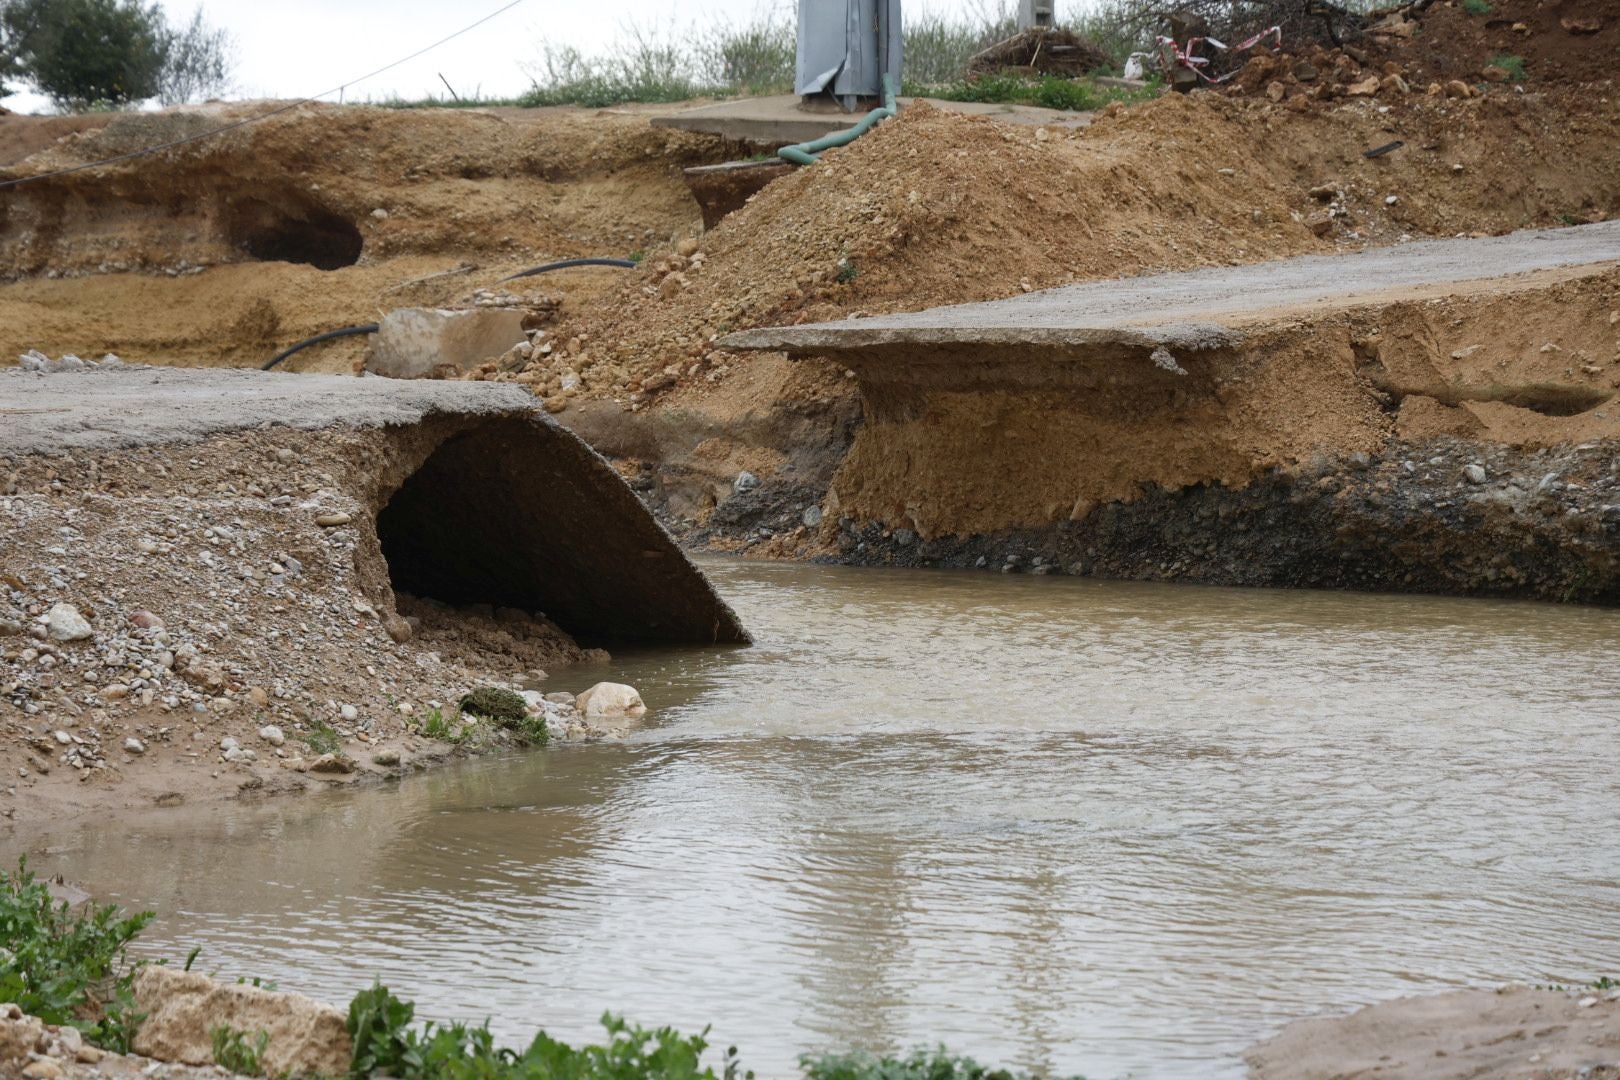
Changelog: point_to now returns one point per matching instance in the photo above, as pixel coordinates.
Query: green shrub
(68, 967)
(1477, 7)
(233, 1052)
(918, 1065)
(493, 703)
(386, 1044)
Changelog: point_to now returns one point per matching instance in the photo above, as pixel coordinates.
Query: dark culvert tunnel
(294, 233)
(500, 514)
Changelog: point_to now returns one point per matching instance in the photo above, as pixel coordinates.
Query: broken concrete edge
(134, 406)
(822, 340)
(304, 1037)
(1222, 297)
(592, 546)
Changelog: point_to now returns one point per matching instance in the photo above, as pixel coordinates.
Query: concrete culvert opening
(502, 515)
(308, 235)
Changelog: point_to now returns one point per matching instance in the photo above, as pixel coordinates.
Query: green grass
(670, 64)
(322, 738)
(1477, 7)
(234, 1053)
(1047, 91)
(1513, 65)
(68, 967)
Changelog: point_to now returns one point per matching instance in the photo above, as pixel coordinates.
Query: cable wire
(255, 119)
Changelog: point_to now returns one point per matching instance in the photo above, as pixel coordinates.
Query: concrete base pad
(780, 121)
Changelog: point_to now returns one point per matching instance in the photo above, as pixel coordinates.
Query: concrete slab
(780, 121)
(1208, 308)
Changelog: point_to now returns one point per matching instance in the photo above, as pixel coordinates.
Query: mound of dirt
(939, 208)
(1452, 49)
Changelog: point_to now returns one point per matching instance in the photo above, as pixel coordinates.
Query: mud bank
(295, 569)
(1481, 1034)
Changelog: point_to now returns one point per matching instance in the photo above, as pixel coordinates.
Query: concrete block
(411, 342)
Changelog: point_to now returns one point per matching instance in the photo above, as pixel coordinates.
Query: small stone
(1391, 200)
(114, 692)
(64, 623)
(380, 214)
(145, 620)
(398, 627)
(607, 699)
(63, 738)
(905, 537)
(258, 696)
(331, 521)
(228, 743)
(1456, 88)
(272, 735)
(746, 481)
(43, 1069)
(811, 517)
(385, 758)
(332, 763)
(349, 713)
(1475, 473)
(132, 745)
(1586, 1002)
(1365, 88)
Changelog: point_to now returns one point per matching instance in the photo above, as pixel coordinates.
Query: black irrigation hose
(347, 331)
(565, 264)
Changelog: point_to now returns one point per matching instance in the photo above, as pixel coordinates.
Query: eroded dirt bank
(298, 569)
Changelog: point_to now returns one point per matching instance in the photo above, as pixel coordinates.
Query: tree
(82, 53)
(19, 19)
(197, 63)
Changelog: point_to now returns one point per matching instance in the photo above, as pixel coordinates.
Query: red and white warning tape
(1176, 55)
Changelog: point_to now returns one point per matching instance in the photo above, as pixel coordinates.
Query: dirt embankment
(257, 582)
(221, 252)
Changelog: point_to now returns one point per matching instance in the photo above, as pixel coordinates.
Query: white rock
(133, 745)
(610, 701)
(349, 712)
(1475, 474)
(64, 738)
(64, 623)
(229, 743)
(272, 735)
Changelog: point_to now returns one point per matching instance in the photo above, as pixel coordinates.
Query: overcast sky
(296, 48)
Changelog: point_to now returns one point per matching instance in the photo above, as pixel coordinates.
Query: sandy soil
(1515, 1033)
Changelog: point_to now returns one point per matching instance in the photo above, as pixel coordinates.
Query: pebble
(63, 738)
(229, 743)
(385, 757)
(746, 481)
(272, 735)
(331, 521)
(349, 712)
(1475, 473)
(132, 745)
(64, 623)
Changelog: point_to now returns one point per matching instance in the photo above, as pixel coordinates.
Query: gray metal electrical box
(1035, 14)
(846, 47)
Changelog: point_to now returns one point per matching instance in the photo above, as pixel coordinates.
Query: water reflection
(1118, 829)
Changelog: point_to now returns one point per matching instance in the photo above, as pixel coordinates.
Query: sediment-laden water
(1114, 828)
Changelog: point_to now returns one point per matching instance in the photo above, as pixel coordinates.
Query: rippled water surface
(1077, 826)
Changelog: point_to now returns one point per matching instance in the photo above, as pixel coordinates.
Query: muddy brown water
(1114, 828)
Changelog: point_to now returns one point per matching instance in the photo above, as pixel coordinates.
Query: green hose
(805, 153)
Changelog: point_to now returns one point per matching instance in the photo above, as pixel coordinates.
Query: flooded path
(1112, 828)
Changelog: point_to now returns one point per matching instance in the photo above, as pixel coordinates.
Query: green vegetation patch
(66, 966)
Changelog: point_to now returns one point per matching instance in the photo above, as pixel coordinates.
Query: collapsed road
(1427, 417)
